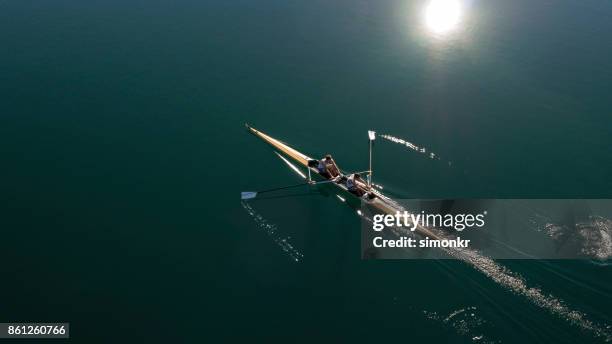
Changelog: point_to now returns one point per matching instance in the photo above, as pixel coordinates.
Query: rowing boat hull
(380, 203)
(299, 158)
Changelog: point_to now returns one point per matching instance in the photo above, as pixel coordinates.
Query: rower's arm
(335, 165)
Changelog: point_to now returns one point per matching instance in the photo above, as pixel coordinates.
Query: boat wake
(518, 285)
(412, 146)
(272, 231)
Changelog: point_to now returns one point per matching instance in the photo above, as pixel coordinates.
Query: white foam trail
(412, 146)
(292, 166)
(272, 231)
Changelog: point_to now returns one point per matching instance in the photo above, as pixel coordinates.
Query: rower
(356, 185)
(327, 167)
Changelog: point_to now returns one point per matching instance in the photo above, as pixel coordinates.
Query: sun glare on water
(442, 16)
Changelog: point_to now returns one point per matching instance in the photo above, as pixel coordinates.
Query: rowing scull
(380, 203)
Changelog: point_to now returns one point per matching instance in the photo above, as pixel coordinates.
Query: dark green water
(123, 154)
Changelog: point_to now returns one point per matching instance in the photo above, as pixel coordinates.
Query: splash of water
(594, 234)
(597, 236)
(272, 231)
(414, 147)
(466, 322)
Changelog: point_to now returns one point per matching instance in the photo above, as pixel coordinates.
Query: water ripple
(272, 231)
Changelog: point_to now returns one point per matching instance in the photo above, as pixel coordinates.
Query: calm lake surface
(124, 150)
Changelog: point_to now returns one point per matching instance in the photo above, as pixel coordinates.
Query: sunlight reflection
(442, 16)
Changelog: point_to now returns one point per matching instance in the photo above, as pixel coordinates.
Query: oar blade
(248, 195)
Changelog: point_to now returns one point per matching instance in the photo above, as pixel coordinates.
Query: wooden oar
(253, 194)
